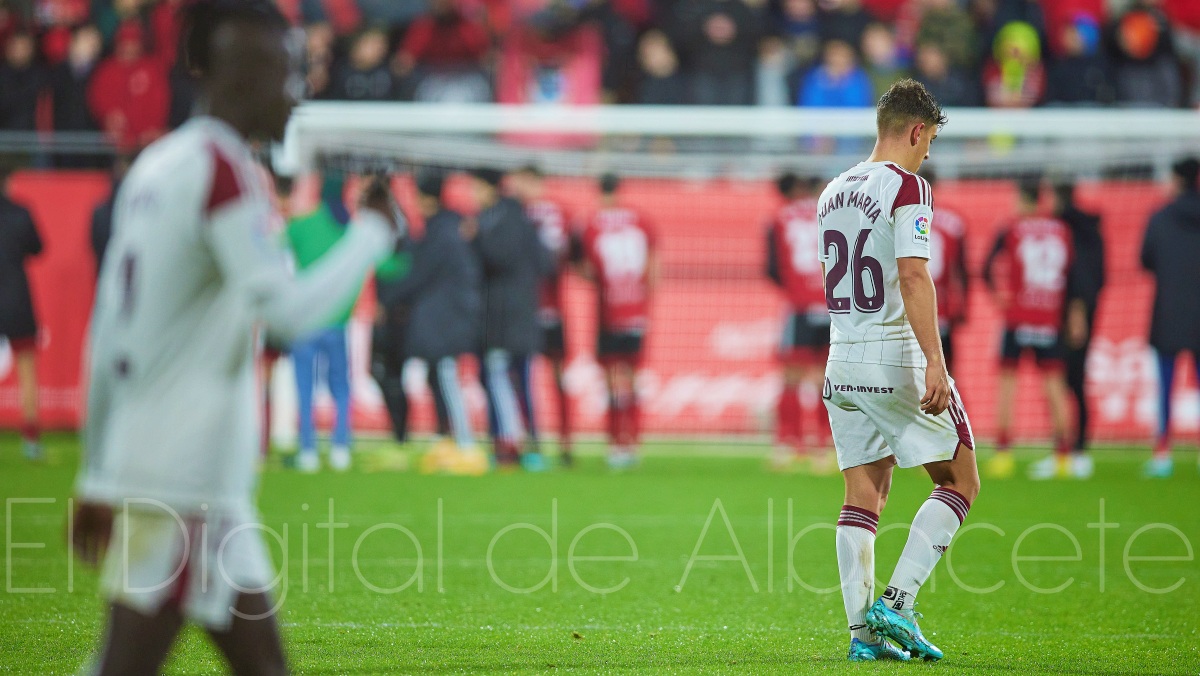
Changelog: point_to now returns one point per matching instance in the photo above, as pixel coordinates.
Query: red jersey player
(793, 265)
(1038, 251)
(553, 224)
(618, 245)
(948, 267)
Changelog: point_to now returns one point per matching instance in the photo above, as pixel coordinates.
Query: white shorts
(201, 563)
(875, 411)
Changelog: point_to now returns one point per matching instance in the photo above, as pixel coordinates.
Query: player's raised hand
(937, 390)
(91, 531)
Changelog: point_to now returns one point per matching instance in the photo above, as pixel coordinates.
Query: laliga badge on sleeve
(921, 229)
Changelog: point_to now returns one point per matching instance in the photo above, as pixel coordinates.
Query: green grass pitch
(1027, 589)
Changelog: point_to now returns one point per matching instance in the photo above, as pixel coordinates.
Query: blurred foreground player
(618, 245)
(1036, 250)
(172, 435)
(553, 224)
(1171, 252)
(19, 240)
(791, 239)
(890, 398)
(1085, 279)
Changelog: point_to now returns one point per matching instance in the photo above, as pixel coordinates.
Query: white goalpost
(705, 177)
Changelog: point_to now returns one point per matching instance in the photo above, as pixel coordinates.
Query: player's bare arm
(653, 272)
(989, 271)
(1076, 325)
(920, 305)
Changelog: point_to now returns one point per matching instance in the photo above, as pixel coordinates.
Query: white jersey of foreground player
(191, 275)
(869, 216)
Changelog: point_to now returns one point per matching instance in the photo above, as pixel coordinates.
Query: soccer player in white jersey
(191, 276)
(890, 398)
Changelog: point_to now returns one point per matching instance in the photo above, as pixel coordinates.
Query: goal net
(705, 178)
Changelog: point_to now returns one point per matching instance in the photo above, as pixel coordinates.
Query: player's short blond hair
(905, 103)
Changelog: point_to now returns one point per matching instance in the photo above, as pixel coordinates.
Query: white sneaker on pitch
(1082, 466)
(1050, 467)
(308, 462)
(339, 458)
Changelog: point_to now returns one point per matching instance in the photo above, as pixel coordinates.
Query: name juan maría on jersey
(861, 201)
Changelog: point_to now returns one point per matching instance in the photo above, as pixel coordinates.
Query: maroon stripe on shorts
(959, 415)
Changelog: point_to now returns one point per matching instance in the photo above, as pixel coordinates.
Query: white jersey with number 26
(870, 216)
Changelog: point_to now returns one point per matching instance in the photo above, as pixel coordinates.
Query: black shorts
(1047, 349)
(805, 339)
(619, 346)
(947, 335)
(802, 330)
(554, 340)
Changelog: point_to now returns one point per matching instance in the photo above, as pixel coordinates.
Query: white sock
(932, 528)
(856, 565)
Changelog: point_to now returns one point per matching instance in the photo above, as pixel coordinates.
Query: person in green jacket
(310, 236)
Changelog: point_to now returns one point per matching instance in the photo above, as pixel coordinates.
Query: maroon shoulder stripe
(910, 191)
(225, 186)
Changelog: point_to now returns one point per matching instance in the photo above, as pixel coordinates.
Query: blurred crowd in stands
(85, 65)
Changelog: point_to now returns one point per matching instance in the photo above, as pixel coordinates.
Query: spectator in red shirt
(443, 52)
(445, 37)
(129, 95)
(546, 60)
(165, 27)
